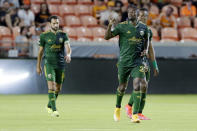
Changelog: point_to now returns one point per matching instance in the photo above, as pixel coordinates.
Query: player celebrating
(132, 36)
(53, 43)
(143, 16)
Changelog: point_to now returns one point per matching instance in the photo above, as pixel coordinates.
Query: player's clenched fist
(39, 70)
(111, 20)
(67, 58)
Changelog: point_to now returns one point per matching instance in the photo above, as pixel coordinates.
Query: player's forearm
(152, 56)
(68, 50)
(108, 33)
(39, 58)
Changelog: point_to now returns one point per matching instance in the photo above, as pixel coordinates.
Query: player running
(143, 16)
(53, 44)
(132, 36)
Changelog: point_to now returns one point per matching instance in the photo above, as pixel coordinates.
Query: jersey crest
(61, 39)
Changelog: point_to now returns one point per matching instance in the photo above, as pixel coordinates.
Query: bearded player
(132, 36)
(53, 44)
(143, 16)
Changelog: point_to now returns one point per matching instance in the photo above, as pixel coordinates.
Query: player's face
(143, 16)
(132, 14)
(55, 24)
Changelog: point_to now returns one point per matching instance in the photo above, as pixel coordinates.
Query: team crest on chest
(142, 33)
(60, 39)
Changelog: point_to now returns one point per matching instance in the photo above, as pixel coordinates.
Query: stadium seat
(155, 34)
(82, 10)
(84, 32)
(99, 39)
(72, 21)
(183, 22)
(6, 43)
(188, 34)
(66, 10)
(195, 23)
(53, 9)
(169, 34)
(5, 32)
(71, 32)
(98, 32)
(167, 40)
(177, 3)
(16, 32)
(69, 2)
(35, 8)
(37, 1)
(175, 12)
(115, 39)
(83, 39)
(89, 21)
(154, 10)
(87, 2)
(53, 1)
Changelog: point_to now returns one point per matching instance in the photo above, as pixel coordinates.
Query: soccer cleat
(49, 110)
(135, 118)
(117, 114)
(128, 109)
(55, 114)
(142, 117)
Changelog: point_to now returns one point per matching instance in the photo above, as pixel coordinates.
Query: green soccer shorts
(54, 74)
(136, 72)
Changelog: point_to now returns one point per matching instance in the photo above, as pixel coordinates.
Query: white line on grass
(96, 129)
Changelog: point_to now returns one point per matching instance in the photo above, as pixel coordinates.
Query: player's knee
(143, 86)
(136, 85)
(122, 88)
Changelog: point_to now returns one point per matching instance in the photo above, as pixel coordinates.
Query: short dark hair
(143, 9)
(52, 17)
(132, 6)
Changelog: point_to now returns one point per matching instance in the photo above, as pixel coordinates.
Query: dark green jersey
(54, 50)
(132, 41)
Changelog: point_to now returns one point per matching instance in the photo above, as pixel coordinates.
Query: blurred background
(93, 67)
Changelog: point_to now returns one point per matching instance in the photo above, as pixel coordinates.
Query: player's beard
(132, 18)
(55, 28)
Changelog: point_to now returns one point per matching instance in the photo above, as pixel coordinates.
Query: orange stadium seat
(37, 1)
(188, 34)
(83, 39)
(54, 1)
(66, 10)
(169, 34)
(175, 12)
(82, 10)
(89, 2)
(177, 3)
(84, 32)
(98, 32)
(72, 21)
(69, 2)
(183, 22)
(5, 32)
(61, 21)
(155, 34)
(99, 39)
(89, 21)
(71, 32)
(35, 8)
(16, 31)
(53, 9)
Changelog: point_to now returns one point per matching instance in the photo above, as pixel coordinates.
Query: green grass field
(95, 113)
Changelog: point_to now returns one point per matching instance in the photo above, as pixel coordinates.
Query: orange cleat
(128, 109)
(142, 117)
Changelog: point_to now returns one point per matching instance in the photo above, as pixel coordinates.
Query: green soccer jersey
(54, 50)
(132, 41)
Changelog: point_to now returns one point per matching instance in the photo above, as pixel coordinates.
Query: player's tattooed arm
(108, 33)
(153, 59)
(39, 58)
(68, 51)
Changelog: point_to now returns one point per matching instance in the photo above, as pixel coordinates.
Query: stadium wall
(96, 76)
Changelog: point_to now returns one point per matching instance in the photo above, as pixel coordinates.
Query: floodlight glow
(11, 77)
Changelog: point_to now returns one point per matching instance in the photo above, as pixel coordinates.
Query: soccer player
(132, 36)
(53, 44)
(143, 16)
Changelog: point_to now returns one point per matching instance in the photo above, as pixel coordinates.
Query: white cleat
(55, 114)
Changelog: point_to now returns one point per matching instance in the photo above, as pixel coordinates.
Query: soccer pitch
(95, 113)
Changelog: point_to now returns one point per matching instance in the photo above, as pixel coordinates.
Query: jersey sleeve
(66, 39)
(150, 34)
(42, 42)
(116, 30)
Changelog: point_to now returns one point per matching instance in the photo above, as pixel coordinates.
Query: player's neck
(133, 22)
(54, 31)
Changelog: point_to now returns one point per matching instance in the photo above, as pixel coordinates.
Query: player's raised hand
(67, 58)
(156, 72)
(39, 70)
(111, 20)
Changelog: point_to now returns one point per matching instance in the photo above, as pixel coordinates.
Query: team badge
(142, 33)
(60, 40)
(49, 76)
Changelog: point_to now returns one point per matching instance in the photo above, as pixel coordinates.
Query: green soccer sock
(119, 98)
(49, 103)
(131, 99)
(136, 101)
(143, 101)
(52, 100)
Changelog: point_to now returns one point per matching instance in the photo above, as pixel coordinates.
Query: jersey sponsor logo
(56, 46)
(49, 76)
(135, 39)
(61, 40)
(142, 33)
(128, 32)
